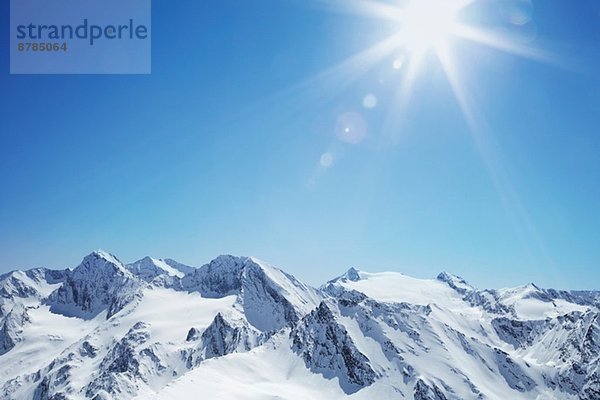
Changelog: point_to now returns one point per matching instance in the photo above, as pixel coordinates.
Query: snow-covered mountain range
(239, 328)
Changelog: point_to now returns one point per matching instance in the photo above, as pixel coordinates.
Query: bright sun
(433, 26)
(428, 23)
(437, 31)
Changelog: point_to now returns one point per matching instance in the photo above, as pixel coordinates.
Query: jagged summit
(270, 298)
(455, 282)
(99, 263)
(220, 277)
(100, 283)
(448, 277)
(149, 268)
(353, 274)
(240, 327)
(93, 258)
(185, 269)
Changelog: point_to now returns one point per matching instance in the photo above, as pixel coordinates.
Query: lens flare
(351, 128)
(436, 31)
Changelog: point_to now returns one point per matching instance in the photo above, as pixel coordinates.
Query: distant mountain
(239, 328)
(149, 268)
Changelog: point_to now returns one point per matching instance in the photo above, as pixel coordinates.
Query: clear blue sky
(233, 145)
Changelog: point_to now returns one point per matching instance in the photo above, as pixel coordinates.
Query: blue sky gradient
(219, 149)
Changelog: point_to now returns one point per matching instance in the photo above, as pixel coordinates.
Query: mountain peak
(100, 260)
(105, 255)
(377, 333)
(228, 259)
(186, 269)
(353, 274)
(454, 281)
(149, 268)
(449, 277)
(101, 282)
(269, 297)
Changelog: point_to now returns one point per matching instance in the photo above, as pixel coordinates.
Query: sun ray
(395, 117)
(363, 8)
(347, 71)
(425, 31)
(433, 33)
(424, 25)
(522, 221)
(495, 41)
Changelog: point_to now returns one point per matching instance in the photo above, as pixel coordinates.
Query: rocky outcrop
(220, 338)
(99, 283)
(327, 349)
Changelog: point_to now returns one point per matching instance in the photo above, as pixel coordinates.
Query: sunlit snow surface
(272, 372)
(395, 287)
(239, 328)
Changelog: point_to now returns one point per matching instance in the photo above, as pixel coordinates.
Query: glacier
(240, 328)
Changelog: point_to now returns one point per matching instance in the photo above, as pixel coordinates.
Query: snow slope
(149, 268)
(240, 328)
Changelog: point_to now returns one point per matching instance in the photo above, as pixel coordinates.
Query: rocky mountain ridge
(160, 329)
